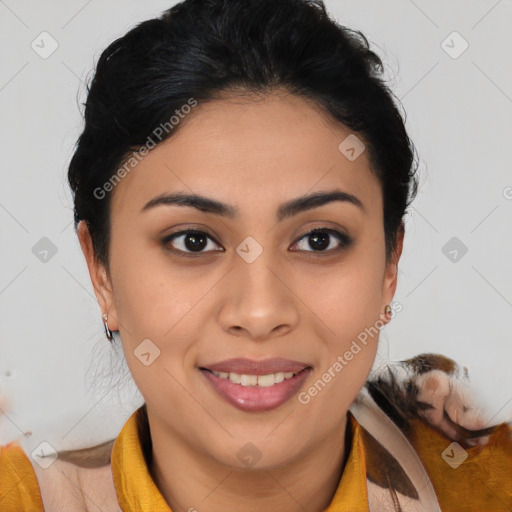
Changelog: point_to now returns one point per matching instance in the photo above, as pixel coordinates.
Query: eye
(193, 242)
(321, 239)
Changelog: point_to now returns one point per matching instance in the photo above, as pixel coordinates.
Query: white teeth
(234, 377)
(266, 380)
(278, 377)
(255, 380)
(249, 380)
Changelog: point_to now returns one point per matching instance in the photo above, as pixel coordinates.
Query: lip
(256, 398)
(254, 367)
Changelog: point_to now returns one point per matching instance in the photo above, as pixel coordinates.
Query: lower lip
(256, 398)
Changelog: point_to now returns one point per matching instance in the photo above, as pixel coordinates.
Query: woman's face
(252, 284)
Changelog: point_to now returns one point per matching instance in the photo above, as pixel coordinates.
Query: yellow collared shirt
(482, 483)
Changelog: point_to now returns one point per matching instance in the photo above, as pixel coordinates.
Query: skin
(254, 155)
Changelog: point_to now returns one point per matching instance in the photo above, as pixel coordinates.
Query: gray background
(58, 373)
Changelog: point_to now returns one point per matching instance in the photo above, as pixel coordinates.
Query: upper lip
(253, 367)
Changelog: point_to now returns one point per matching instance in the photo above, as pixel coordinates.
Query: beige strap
(373, 419)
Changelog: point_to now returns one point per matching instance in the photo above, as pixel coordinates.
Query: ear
(99, 277)
(391, 273)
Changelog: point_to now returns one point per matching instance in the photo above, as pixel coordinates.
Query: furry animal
(435, 389)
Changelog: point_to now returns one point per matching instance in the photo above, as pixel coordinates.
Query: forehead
(248, 151)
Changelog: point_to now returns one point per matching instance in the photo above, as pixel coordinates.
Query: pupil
(195, 241)
(324, 240)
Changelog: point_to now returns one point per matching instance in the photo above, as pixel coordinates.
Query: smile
(256, 393)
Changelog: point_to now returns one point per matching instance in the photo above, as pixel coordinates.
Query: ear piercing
(108, 332)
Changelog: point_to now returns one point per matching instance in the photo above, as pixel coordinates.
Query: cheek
(154, 310)
(347, 298)
(348, 303)
(349, 309)
(151, 295)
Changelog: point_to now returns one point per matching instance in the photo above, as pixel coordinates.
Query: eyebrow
(285, 210)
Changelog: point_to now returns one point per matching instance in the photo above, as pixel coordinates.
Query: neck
(189, 480)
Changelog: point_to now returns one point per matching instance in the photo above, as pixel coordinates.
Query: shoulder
(60, 485)
(18, 481)
(475, 477)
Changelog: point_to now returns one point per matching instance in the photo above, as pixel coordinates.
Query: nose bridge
(255, 267)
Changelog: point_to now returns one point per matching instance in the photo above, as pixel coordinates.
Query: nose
(259, 302)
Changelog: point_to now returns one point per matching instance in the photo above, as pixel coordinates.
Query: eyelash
(344, 240)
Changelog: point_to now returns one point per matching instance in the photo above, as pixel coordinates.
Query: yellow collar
(137, 492)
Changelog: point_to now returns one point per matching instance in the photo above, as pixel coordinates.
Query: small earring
(387, 310)
(108, 332)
